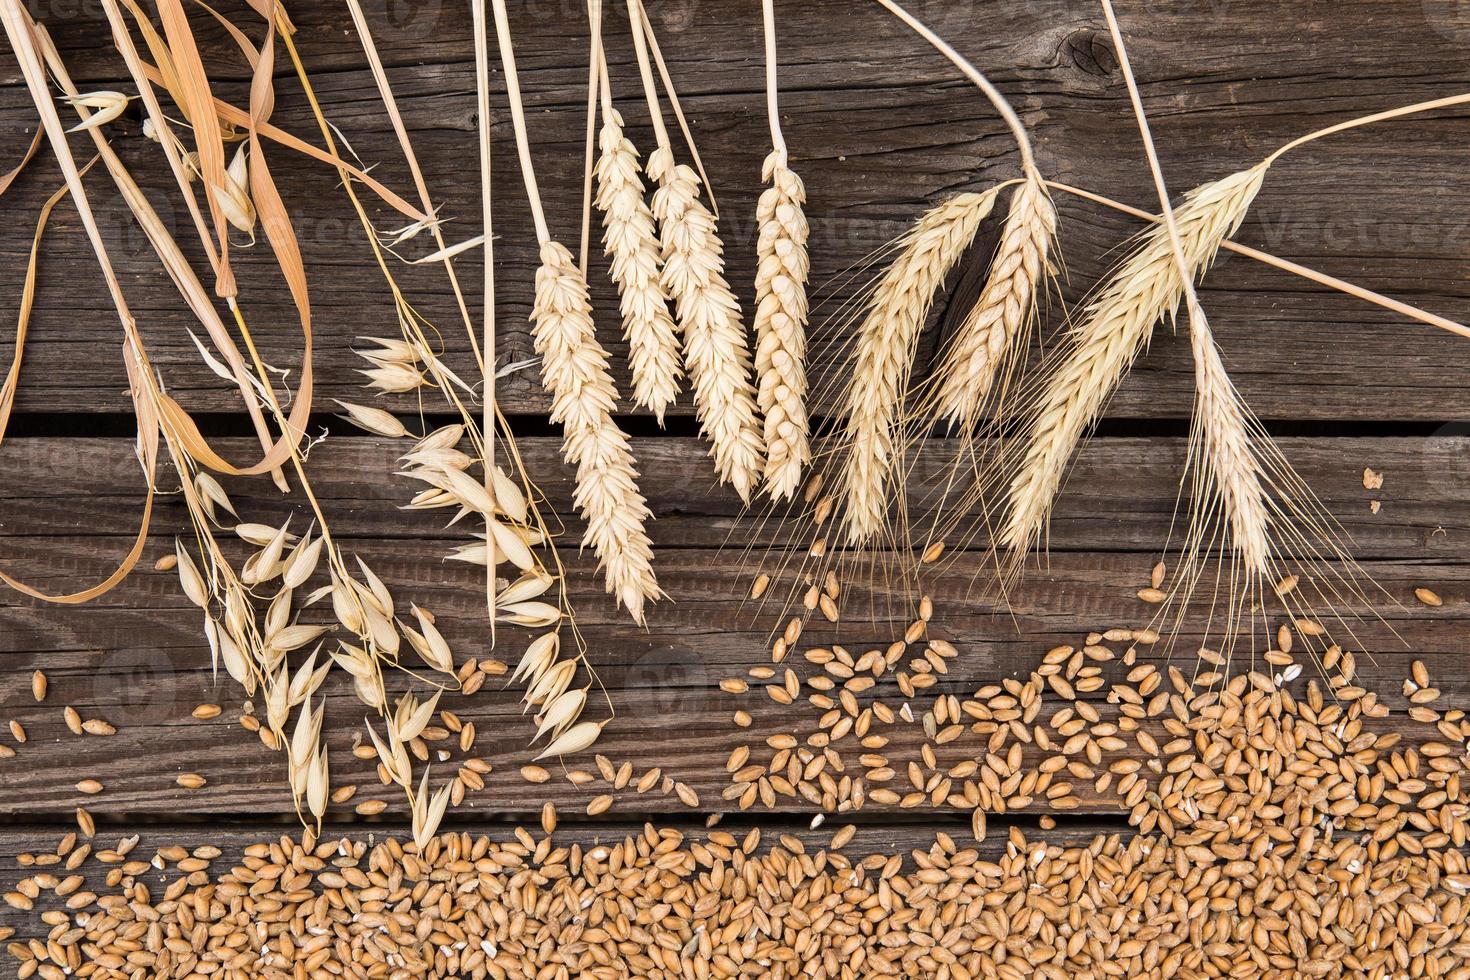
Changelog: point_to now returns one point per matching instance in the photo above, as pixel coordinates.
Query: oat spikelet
(978, 352)
(780, 325)
(632, 244)
(885, 352)
(715, 350)
(1116, 327)
(1221, 442)
(574, 370)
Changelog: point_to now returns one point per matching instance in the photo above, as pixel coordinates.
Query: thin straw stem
(1285, 265)
(595, 71)
(487, 327)
(645, 71)
(992, 93)
(778, 142)
(1408, 110)
(385, 91)
(663, 73)
(518, 118)
(1175, 244)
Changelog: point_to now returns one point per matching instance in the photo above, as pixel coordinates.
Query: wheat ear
(986, 338)
(574, 369)
(716, 354)
(1221, 441)
(1116, 327)
(632, 244)
(780, 325)
(885, 353)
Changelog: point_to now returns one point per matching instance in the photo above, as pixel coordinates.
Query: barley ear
(630, 241)
(716, 353)
(574, 370)
(1114, 329)
(780, 326)
(885, 352)
(980, 349)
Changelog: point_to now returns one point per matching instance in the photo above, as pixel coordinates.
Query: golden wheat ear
(1247, 506)
(1114, 328)
(884, 355)
(631, 242)
(781, 307)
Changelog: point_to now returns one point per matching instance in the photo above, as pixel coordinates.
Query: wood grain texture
(879, 128)
(135, 656)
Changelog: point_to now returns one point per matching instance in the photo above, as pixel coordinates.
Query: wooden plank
(1121, 494)
(138, 661)
(876, 139)
(135, 657)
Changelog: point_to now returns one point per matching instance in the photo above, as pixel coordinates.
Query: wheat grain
(978, 353)
(780, 325)
(885, 350)
(631, 242)
(716, 353)
(1115, 328)
(574, 370)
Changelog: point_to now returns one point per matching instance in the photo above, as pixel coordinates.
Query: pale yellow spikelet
(716, 353)
(780, 325)
(885, 352)
(976, 356)
(1222, 443)
(574, 370)
(631, 242)
(1115, 328)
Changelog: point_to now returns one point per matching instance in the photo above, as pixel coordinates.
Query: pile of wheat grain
(1251, 892)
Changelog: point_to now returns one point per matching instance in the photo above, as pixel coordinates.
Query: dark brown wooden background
(879, 127)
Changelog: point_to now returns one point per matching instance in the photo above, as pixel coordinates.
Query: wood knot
(1090, 52)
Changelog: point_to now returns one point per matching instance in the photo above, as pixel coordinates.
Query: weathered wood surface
(59, 507)
(880, 128)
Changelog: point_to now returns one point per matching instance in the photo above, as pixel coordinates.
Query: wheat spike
(574, 370)
(631, 243)
(1221, 440)
(977, 353)
(1117, 325)
(780, 325)
(885, 352)
(715, 350)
